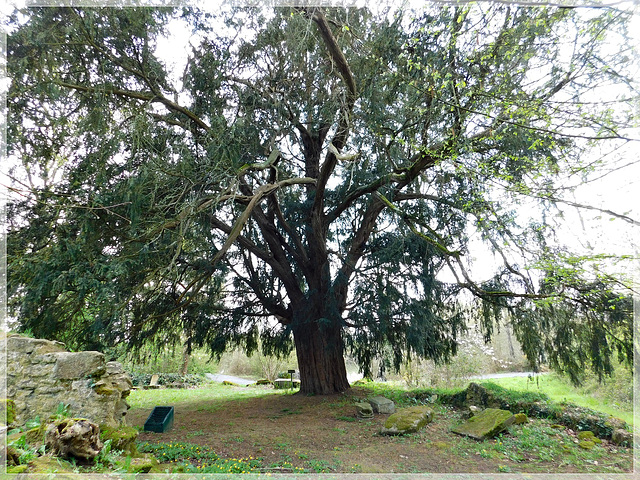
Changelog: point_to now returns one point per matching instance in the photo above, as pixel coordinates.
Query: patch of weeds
(193, 458)
(346, 418)
(107, 456)
(176, 452)
(62, 411)
(484, 453)
(538, 442)
(26, 452)
(286, 466)
(291, 411)
(226, 465)
(197, 433)
(33, 431)
(318, 466)
(285, 412)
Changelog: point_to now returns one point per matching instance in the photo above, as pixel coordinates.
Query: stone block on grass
(364, 410)
(122, 438)
(588, 436)
(284, 383)
(622, 437)
(51, 465)
(520, 418)
(382, 405)
(586, 444)
(407, 420)
(141, 464)
(486, 424)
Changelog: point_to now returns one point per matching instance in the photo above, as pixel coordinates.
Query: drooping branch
(590, 207)
(147, 97)
(233, 235)
(275, 308)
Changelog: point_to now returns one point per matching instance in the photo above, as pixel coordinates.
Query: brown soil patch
(322, 433)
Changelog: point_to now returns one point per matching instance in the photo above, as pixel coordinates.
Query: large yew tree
(313, 177)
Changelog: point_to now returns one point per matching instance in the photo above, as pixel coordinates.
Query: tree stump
(74, 437)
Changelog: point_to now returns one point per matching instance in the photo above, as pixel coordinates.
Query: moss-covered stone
(122, 438)
(284, 383)
(141, 464)
(364, 409)
(13, 455)
(581, 418)
(49, 464)
(520, 418)
(586, 444)
(486, 424)
(588, 436)
(105, 390)
(41, 376)
(17, 469)
(7, 411)
(622, 437)
(407, 420)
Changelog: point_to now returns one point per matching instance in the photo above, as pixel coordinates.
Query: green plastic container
(160, 420)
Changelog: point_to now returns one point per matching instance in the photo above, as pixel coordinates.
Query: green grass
(558, 391)
(212, 394)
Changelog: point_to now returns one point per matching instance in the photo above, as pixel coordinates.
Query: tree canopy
(308, 175)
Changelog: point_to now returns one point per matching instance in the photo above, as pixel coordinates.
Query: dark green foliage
(142, 379)
(307, 178)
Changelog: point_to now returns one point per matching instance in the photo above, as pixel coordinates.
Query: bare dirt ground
(321, 433)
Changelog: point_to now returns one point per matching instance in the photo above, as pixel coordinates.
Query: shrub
(142, 379)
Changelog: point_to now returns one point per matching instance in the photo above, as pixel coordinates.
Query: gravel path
(507, 375)
(216, 377)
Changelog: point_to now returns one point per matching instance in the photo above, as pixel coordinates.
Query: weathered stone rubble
(364, 410)
(485, 424)
(407, 420)
(41, 375)
(382, 405)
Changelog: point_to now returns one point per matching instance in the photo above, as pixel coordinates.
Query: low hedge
(166, 379)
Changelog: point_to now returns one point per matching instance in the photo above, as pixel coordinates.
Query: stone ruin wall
(41, 374)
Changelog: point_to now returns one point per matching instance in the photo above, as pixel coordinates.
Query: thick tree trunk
(186, 356)
(320, 352)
